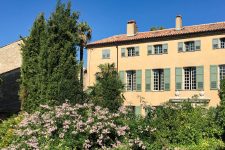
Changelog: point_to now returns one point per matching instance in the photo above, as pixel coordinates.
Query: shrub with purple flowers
(71, 127)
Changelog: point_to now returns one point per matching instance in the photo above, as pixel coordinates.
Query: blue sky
(109, 17)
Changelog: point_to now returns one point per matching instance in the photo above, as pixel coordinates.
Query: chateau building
(181, 63)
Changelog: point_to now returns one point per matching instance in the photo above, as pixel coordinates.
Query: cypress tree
(30, 48)
(62, 69)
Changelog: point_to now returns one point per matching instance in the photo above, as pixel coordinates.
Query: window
(222, 72)
(222, 43)
(131, 51)
(189, 46)
(105, 54)
(218, 43)
(158, 49)
(131, 80)
(158, 77)
(190, 78)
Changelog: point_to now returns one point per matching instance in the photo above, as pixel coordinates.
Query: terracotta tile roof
(161, 33)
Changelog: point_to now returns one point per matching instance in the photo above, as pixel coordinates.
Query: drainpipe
(117, 56)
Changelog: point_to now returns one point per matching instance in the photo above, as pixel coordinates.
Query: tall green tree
(30, 48)
(85, 33)
(107, 92)
(62, 66)
(221, 107)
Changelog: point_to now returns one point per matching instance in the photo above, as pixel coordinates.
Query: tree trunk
(81, 62)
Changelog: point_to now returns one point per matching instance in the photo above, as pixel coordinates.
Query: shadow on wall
(9, 98)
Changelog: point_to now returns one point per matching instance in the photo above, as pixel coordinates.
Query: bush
(181, 125)
(70, 127)
(107, 92)
(7, 130)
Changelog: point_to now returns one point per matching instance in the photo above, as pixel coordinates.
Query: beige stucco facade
(205, 57)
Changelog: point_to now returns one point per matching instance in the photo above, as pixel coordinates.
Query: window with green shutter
(180, 46)
(138, 80)
(214, 77)
(137, 110)
(165, 48)
(122, 76)
(200, 77)
(149, 48)
(167, 79)
(123, 52)
(137, 51)
(197, 45)
(148, 80)
(215, 43)
(105, 54)
(178, 79)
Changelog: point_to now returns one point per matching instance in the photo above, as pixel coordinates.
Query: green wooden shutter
(137, 110)
(167, 79)
(200, 77)
(148, 80)
(213, 77)
(108, 53)
(197, 45)
(123, 52)
(138, 80)
(122, 76)
(178, 78)
(137, 51)
(165, 48)
(215, 43)
(103, 54)
(180, 46)
(150, 50)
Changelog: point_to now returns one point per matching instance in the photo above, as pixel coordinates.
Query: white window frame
(131, 80)
(131, 51)
(189, 74)
(158, 79)
(158, 49)
(189, 46)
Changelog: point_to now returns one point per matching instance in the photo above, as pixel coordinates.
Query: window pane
(158, 77)
(158, 49)
(222, 72)
(190, 78)
(222, 43)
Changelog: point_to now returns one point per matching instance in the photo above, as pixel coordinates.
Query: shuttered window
(214, 77)
(105, 54)
(122, 76)
(189, 46)
(200, 77)
(136, 51)
(180, 46)
(148, 80)
(138, 80)
(123, 52)
(137, 110)
(178, 72)
(165, 48)
(197, 45)
(167, 79)
(215, 43)
(157, 49)
(149, 48)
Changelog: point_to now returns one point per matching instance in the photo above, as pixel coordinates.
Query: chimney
(131, 28)
(179, 22)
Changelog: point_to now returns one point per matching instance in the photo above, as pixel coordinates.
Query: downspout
(117, 57)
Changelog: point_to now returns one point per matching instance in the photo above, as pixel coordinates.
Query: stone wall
(9, 99)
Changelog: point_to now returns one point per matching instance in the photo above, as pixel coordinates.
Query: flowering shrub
(71, 127)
